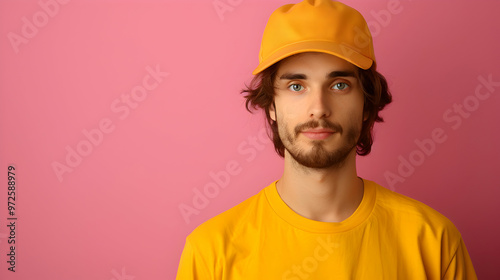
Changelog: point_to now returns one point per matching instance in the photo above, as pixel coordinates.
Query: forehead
(314, 62)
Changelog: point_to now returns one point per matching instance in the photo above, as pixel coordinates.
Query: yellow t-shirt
(389, 236)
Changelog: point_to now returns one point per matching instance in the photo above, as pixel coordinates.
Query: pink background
(116, 214)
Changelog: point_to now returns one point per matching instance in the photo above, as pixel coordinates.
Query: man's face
(318, 108)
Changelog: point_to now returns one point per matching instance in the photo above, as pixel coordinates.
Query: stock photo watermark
(310, 264)
(381, 19)
(220, 179)
(453, 117)
(11, 220)
(121, 276)
(121, 107)
(31, 26)
(225, 6)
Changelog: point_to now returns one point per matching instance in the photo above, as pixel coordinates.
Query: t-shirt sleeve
(192, 266)
(460, 267)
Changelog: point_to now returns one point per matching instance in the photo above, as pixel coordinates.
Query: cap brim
(340, 50)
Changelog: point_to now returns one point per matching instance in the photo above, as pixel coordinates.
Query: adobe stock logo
(223, 6)
(310, 264)
(203, 195)
(121, 276)
(30, 28)
(454, 117)
(121, 106)
(380, 19)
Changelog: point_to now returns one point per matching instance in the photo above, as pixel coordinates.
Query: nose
(319, 104)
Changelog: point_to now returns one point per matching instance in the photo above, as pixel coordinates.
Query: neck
(327, 195)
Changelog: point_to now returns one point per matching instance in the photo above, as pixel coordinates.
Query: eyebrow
(333, 74)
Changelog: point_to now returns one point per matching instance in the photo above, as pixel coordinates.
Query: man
(318, 86)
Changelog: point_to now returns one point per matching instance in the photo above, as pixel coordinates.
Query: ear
(272, 112)
(365, 115)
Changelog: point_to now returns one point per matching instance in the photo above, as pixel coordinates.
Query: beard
(319, 156)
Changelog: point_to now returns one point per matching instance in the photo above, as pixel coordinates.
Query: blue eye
(340, 86)
(295, 87)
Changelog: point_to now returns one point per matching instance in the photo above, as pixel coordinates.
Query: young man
(318, 85)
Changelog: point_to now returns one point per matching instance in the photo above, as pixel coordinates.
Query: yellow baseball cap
(316, 26)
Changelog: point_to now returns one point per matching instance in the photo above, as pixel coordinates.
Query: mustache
(315, 124)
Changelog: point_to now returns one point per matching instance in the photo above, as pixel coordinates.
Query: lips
(318, 133)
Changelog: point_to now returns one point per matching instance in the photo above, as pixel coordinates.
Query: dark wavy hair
(260, 94)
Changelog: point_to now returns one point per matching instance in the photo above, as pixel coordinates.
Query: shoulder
(403, 205)
(222, 227)
(411, 214)
(422, 232)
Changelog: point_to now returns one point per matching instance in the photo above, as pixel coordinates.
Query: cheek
(286, 110)
(351, 114)
(357, 109)
(289, 112)
(287, 119)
